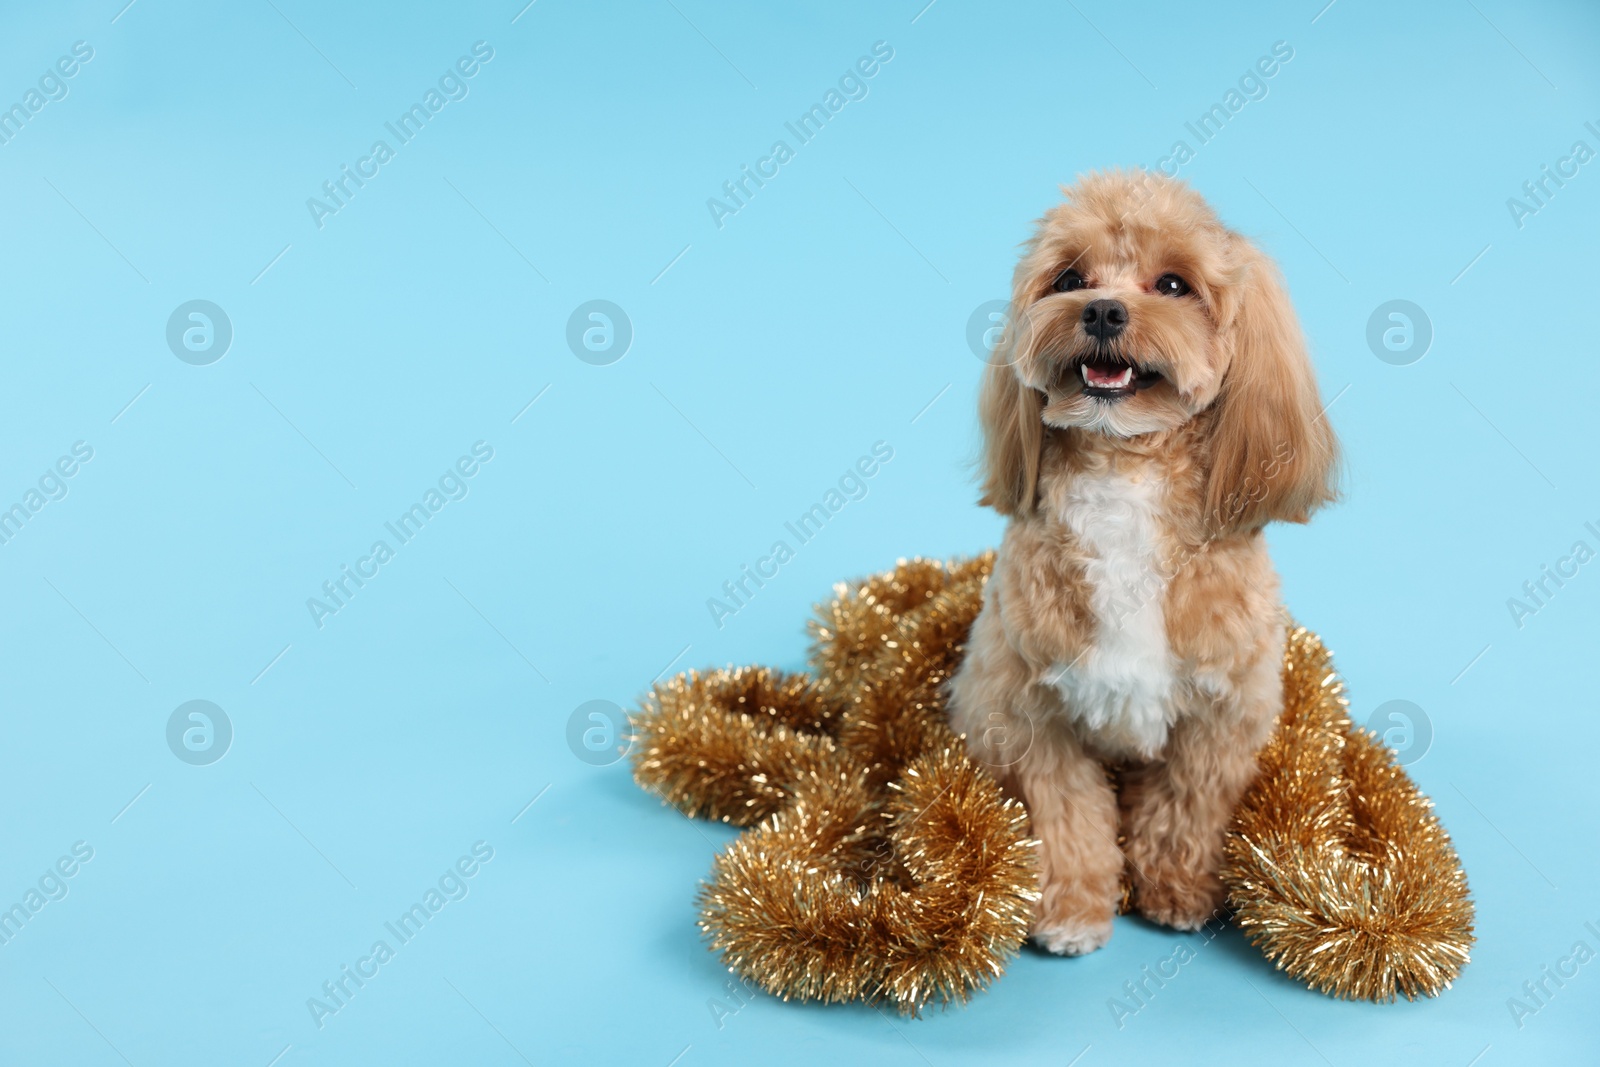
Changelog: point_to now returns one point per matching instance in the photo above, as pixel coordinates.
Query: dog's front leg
(1013, 729)
(1177, 809)
(1073, 809)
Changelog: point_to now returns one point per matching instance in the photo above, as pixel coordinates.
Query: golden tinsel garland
(886, 865)
(1337, 867)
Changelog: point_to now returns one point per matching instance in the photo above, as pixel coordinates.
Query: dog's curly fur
(1133, 618)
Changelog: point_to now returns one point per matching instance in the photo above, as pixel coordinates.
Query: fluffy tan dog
(1149, 409)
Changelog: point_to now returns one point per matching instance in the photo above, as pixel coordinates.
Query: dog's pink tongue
(1104, 375)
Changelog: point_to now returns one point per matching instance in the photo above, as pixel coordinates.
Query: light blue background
(826, 315)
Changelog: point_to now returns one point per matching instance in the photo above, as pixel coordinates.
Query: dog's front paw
(1183, 902)
(1071, 937)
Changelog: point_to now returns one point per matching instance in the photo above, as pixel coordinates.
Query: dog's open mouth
(1112, 378)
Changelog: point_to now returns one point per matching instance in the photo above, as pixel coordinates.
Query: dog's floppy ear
(1011, 416)
(1273, 453)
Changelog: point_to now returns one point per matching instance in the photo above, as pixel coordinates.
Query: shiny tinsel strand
(1337, 867)
(885, 865)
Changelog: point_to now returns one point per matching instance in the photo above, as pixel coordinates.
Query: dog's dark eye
(1171, 285)
(1069, 280)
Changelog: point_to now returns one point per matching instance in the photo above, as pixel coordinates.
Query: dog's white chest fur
(1120, 690)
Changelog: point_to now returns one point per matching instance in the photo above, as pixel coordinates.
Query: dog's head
(1133, 311)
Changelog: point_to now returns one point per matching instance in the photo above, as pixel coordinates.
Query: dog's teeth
(1123, 377)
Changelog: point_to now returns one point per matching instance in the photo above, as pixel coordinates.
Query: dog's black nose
(1104, 319)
